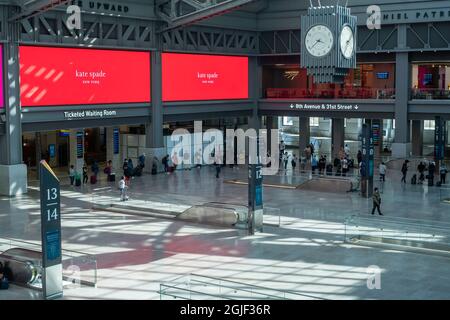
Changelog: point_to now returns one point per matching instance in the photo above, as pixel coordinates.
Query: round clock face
(347, 42)
(319, 41)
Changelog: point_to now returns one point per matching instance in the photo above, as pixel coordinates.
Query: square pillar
(13, 173)
(401, 148)
(337, 137)
(417, 137)
(304, 133)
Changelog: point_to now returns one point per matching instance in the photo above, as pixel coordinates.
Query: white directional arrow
(292, 106)
(356, 107)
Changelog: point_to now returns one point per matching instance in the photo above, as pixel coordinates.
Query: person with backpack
(404, 170)
(421, 168)
(376, 201)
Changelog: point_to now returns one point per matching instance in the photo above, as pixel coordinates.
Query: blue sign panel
(439, 139)
(51, 150)
(53, 240)
(116, 141)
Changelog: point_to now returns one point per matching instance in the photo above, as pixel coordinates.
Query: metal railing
(430, 94)
(404, 232)
(199, 287)
(78, 267)
(350, 93)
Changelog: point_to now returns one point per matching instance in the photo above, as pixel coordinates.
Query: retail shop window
(367, 81)
(431, 81)
(313, 122)
(429, 125)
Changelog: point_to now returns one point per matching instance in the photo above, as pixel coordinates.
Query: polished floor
(305, 255)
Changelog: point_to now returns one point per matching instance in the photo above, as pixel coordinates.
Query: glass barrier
(198, 287)
(350, 93)
(444, 195)
(78, 268)
(405, 232)
(430, 94)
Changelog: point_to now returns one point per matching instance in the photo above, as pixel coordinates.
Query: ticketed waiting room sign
(74, 76)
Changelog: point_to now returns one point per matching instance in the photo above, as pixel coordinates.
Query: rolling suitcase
(93, 179)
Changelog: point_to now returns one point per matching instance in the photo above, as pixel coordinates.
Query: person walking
(404, 170)
(376, 197)
(72, 175)
(293, 163)
(217, 170)
(443, 172)
(122, 188)
(359, 157)
(85, 174)
(285, 160)
(382, 169)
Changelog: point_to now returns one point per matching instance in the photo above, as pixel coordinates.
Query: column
(76, 147)
(401, 148)
(13, 173)
(417, 137)
(304, 134)
(154, 134)
(271, 124)
(113, 151)
(337, 137)
(377, 130)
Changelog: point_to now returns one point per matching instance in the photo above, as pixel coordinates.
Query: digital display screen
(53, 245)
(427, 79)
(116, 141)
(75, 76)
(383, 75)
(196, 77)
(80, 148)
(1, 80)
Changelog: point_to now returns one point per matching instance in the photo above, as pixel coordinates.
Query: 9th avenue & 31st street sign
(325, 106)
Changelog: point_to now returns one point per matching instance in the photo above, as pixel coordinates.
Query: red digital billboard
(191, 77)
(75, 76)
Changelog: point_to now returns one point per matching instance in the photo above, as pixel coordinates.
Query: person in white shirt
(122, 188)
(347, 150)
(382, 169)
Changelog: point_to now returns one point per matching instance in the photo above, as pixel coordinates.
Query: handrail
(408, 221)
(38, 245)
(186, 290)
(255, 286)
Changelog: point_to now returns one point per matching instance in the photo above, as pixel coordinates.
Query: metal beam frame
(37, 7)
(200, 11)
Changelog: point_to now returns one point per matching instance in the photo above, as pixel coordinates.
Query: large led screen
(75, 76)
(190, 77)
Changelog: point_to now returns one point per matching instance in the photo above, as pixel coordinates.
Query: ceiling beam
(209, 10)
(33, 8)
